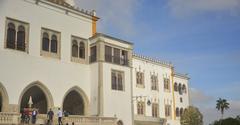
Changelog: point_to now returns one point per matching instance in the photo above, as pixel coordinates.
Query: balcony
(117, 60)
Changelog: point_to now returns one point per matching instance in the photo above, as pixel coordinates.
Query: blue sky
(200, 37)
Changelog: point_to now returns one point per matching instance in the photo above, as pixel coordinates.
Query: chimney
(94, 22)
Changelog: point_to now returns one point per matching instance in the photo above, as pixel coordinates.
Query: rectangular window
(116, 56)
(108, 54)
(140, 108)
(155, 109)
(93, 54)
(154, 81)
(166, 84)
(117, 80)
(168, 110)
(17, 34)
(140, 79)
(50, 42)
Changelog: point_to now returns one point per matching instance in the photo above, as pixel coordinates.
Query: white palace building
(50, 51)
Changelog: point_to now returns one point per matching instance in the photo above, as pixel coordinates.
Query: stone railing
(9, 118)
(89, 120)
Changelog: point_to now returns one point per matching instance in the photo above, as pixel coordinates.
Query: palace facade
(50, 51)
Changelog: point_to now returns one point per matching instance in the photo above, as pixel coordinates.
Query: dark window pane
(124, 58)
(181, 111)
(21, 38)
(45, 42)
(74, 49)
(175, 87)
(93, 54)
(54, 44)
(177, 112)
(114, 81)
(11, 36)
(108, 54)
(120, 84)
(82, 50)
(116, 56)
(180, 89)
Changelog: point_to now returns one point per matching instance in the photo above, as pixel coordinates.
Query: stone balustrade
(89, 120)
(7, 118)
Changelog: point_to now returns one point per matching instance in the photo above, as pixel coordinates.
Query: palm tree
(222, 105)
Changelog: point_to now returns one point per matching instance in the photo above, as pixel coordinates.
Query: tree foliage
(191, 116)
(222, 105)
(227, 121)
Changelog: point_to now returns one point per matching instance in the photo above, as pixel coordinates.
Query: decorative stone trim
(78, 59)
(50, 34)
(145, 58)
(17, 23)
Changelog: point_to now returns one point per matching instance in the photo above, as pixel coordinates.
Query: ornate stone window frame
(123, 79)
(154, 82)
(166, 81)
(143, 105)
(141, 83)
(17, 23)
(155, 107)
(51, 32)
(168, 111)
(78, 59)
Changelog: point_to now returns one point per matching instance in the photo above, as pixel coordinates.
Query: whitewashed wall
(149, 67)
(18, 69)
(117, 103)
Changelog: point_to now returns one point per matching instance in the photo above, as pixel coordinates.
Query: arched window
(81, 50)
(180, 89)
(74, 48)
(177, 112)
(184, 89)
(54, 44)
(11, 36)
(181, 111)
(175, 87)
(45, 42)
(21, 38)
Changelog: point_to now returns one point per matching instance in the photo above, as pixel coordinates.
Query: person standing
(34, 116)
(60, 114)
(50, 115)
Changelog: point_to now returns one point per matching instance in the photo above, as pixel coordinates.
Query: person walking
(50, 115)
(60, 115)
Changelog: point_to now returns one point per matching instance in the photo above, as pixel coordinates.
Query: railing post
(99, 121)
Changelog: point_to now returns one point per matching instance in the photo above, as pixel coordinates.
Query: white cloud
(182, 8)
(117, 15)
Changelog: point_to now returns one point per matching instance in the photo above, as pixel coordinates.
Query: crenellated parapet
(146, 58)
